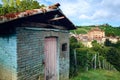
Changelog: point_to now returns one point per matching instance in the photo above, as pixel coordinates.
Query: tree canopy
(113, 56)
(12, 6)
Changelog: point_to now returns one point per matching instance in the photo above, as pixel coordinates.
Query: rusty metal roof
(50, 15)
(13, 16)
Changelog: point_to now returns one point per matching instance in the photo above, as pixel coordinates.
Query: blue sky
(89, 12)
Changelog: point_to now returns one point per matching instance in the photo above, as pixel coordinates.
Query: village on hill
(94, 34)
(39, 42)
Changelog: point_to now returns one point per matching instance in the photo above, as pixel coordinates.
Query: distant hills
(109, 30)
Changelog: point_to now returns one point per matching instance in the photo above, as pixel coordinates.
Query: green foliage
(87, 58)
(81, 30)
(112, 31)
(35, 4)
(107, 42)
(11, 3)
(18, 2)
(73, 45)
(84, 57)
(28, 5)
(94, 42)
(109, 30)
(1, 11)
(117, 45)
(5, 3)
(73, 40)
(0, 5)
(24, 5)
(12, 6)
(81, 58)
(7, 9)
(113, 56)
(100, 56)
(101, 49)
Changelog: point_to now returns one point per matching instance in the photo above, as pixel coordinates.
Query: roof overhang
(53, 17)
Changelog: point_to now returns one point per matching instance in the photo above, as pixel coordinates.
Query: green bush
(18, 6)
(113, 56)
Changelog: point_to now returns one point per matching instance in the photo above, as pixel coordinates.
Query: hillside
(97, 75)
(109, 30)
(81, 30)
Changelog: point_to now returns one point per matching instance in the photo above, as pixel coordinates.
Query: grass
(108, 30)
(98, 75)
(81, 30)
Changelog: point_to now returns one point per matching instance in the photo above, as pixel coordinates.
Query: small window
(64, 47)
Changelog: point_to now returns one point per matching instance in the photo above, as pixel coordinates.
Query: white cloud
(101, 14)
(84, 17)
(75, 8)
(90, 10)
(72, 7)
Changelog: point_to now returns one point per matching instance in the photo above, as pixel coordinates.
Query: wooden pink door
(50, 51)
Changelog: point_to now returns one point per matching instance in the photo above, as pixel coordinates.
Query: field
(98, 75)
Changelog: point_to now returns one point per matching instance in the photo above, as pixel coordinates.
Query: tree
(107, 42)
(28, 5)
(82, 59)
(18, 3)
(12, 3)
(73, 45)
(117, 45)
(100, 56)
(113, 56)
(8, 3)
(5, 3)
(12, 6)
(0, 5)
(35, 4)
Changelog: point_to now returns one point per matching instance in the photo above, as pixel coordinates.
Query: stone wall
(30, 49)
(8, 58)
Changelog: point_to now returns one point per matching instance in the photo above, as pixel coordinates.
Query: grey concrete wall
(64, 57)
(30, 49)
(8, 58)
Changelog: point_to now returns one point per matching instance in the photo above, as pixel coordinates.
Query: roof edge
(13, 16)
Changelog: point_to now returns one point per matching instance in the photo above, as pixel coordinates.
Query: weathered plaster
(8, 58)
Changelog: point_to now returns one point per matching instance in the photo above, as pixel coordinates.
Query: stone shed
(34, 45)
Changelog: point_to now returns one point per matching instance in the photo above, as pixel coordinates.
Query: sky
(89, 12)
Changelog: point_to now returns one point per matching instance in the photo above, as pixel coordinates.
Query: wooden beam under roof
(42, 25)
(58, 18)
